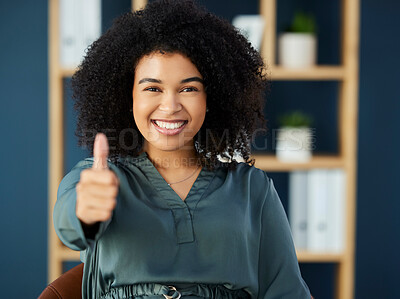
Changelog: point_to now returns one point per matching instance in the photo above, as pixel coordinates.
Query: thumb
(100, 151)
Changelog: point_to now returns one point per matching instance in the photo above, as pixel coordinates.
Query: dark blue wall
(23, 151)
(378, 208)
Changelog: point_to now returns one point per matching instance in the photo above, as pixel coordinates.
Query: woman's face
(169, 101)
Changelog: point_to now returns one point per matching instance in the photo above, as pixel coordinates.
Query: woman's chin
(171, 144)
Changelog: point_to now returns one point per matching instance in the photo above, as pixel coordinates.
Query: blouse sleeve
(279, 273)
(66, 223)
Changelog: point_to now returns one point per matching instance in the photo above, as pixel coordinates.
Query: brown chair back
(67, 286)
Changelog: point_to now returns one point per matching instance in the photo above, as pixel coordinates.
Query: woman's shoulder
(245, 175)
(84, 163)
(244, 170)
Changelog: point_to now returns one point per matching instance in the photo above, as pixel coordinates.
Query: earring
(207, 109)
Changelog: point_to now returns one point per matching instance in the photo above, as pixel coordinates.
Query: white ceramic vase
(294, 144)
(297, 50)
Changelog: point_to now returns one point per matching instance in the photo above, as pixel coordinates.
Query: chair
(67, 286)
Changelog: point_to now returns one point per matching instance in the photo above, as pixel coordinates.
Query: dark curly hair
(232, 69)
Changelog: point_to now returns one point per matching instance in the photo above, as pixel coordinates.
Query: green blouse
(229, 239)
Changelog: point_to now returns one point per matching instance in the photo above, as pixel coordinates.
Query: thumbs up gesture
(98, 187)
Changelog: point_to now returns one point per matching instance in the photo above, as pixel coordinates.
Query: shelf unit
(346, 74)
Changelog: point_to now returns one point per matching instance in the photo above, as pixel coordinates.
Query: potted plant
(294, 137)
(298, 44)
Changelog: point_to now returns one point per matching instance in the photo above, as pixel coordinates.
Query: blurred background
(24, 160)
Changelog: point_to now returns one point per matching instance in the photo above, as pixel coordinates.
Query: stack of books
(80, 26)
(317, 209)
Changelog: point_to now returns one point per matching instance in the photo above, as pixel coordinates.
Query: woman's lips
(169, 131)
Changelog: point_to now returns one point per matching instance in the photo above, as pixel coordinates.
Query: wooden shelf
(67, 72)
(317, 257)
(271, 163)
(322, 72)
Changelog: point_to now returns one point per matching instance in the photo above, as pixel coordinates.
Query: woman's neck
(178, 159)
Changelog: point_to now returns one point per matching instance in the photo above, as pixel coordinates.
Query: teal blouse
(230, 238)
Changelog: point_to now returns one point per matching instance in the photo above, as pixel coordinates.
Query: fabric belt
(159, 291)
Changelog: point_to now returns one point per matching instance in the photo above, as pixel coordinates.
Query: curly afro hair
(232, 69)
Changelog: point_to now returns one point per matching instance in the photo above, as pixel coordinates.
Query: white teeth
(168, 125)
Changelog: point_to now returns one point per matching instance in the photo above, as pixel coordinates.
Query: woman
(156, 212)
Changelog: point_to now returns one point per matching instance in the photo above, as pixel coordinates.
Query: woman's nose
(170, 103)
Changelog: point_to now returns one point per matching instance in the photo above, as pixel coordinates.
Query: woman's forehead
(166, 65)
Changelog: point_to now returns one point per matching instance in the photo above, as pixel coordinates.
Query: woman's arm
(71, 231)
(86, 199)
(279, 273)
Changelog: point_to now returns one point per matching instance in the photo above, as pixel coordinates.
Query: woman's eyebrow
(198, 79)
(152, 80)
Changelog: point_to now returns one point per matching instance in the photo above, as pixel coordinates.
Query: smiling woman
(165, 217)
(169, 102)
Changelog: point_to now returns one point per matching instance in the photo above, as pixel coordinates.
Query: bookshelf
(346, 74)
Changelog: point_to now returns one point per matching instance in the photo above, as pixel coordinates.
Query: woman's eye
(189, 89)
(152, 89)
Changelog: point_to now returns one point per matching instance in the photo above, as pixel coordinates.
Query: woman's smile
(169, 127)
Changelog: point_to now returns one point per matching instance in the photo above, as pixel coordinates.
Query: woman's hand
(98, 187)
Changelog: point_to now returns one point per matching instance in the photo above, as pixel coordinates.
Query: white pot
(297, 50)
(294, 144)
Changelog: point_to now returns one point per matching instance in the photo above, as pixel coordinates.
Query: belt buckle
(172, 288)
